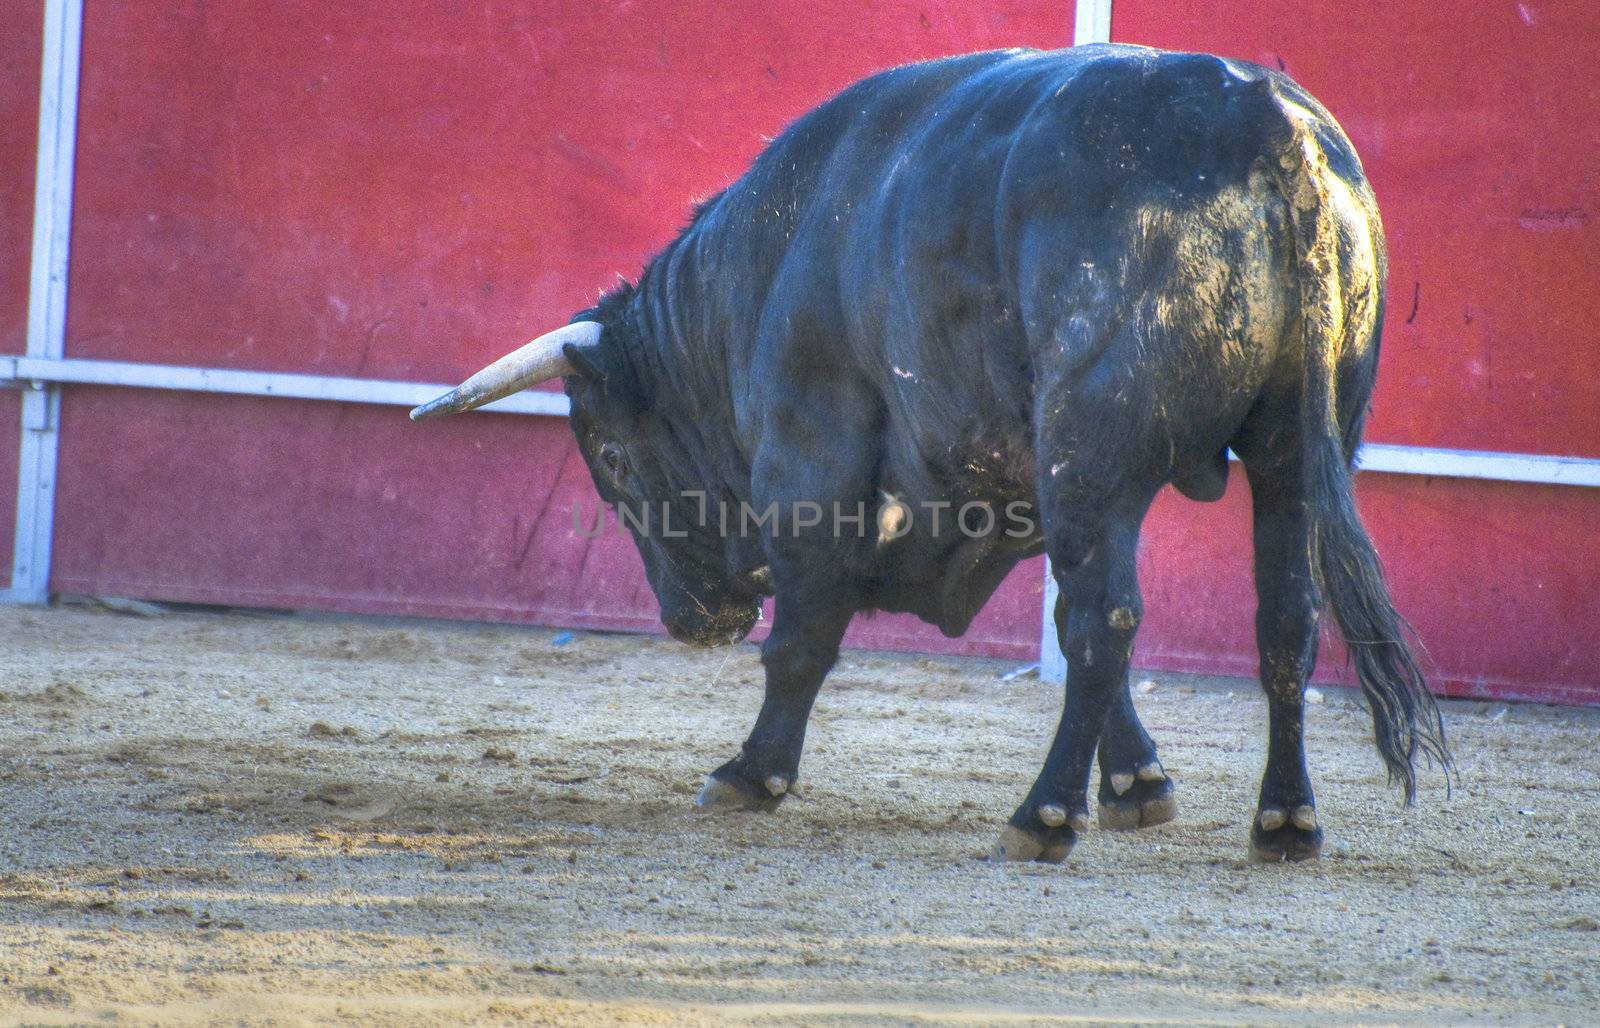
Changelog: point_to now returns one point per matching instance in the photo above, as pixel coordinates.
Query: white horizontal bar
(259, 383)
(1384, 457)
(1498, 467)
(1545, 469)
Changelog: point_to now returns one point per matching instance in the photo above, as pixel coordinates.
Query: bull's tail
(1344, 563)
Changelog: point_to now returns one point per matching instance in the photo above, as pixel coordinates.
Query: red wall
(407, 192)
(1475, 123)
(404, 194)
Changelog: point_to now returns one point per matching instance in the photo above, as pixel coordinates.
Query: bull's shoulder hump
(981, 70)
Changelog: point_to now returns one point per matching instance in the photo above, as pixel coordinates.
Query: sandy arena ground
(251, 819)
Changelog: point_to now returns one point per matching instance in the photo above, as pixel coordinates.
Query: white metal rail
(39, 375)
(33, 371)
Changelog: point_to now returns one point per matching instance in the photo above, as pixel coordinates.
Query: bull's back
(1183, 287)
(963, 236)
(1097, 220)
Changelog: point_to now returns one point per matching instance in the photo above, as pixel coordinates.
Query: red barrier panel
(1483, 570)
(406, 193)
(1475, 125)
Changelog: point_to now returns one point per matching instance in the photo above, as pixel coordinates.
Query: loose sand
(244, 819)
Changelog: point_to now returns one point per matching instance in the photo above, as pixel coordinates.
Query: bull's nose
(692, 638)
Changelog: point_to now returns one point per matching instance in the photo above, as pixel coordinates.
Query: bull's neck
(683, 359)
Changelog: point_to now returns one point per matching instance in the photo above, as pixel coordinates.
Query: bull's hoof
(1278, 835)
(1137, 799)
(1017, 845)
(1048, 840)
(730, 794)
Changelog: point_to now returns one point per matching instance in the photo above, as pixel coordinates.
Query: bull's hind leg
(1285, 825)
(1094, 568)
(1135, 791)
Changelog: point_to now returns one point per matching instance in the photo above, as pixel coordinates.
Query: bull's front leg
(815, 460)
(797, 655)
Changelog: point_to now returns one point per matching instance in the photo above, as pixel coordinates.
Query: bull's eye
(616, 463)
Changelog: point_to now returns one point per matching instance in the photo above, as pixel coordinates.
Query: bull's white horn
(538, 361)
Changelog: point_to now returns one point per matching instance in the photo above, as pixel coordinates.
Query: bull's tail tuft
(1405, 717)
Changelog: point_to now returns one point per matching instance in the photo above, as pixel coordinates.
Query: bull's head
(639, 462)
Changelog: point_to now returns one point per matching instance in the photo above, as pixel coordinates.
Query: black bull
(1047, 284)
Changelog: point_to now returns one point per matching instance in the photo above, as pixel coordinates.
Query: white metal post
(1092, 24)
(47, 299)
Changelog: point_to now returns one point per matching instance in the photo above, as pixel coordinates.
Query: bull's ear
(598, 364)
(586, 360)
